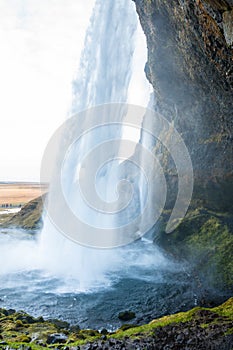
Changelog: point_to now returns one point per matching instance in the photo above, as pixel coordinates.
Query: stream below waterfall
(144, 282)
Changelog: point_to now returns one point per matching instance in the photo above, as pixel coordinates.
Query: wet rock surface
(56, 338)
(199, 328)
(190, 68)
(126, 315)
(191, 340)
(189, 335)
(205, 240)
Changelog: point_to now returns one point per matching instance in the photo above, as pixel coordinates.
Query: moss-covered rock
(29, 217)
(205, 240)
(197, 325)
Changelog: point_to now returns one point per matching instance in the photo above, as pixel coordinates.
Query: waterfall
(106, 75)
(106, 63)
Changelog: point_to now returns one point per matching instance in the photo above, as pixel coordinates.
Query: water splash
(112, 53)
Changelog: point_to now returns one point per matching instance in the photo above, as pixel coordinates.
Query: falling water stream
(48, 274)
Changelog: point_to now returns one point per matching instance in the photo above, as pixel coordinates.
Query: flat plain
(18, 193)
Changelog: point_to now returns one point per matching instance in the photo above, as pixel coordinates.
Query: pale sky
(40, 43)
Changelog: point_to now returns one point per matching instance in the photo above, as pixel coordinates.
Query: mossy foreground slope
(199, 328)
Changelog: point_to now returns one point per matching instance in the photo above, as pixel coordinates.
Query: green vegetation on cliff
(29, 217)
(205, 239)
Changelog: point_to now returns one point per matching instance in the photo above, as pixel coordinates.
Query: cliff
(29, 217)
(190, 68)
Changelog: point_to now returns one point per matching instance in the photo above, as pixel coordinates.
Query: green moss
(89, 333)
(204, 325)
(126, 326)
(20, 345)
(226, 309)
(14, 329)
(29, 217)
(230, 331)
(205, 239)
(222, 314)
(23, 339)
(215, 242)
(161, 322)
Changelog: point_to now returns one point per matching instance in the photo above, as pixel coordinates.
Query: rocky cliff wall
(190, 67)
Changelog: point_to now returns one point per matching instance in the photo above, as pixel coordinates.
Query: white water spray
(52, 277)
(109, 70)
(113, 52)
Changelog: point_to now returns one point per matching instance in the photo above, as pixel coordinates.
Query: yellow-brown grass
(20, 193)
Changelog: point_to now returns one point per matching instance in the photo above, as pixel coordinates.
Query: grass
(20, 193)
(225, 309)
(16, 333)
(29, 217)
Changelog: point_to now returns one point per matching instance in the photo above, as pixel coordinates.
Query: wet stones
(126, 315)
(56, 338)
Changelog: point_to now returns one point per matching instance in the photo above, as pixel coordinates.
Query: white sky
(40, 44)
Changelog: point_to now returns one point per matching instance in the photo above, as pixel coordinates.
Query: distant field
(19, 193)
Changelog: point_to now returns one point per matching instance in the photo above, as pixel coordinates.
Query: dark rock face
(190, 68)
(187, 336)
(190, 53)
